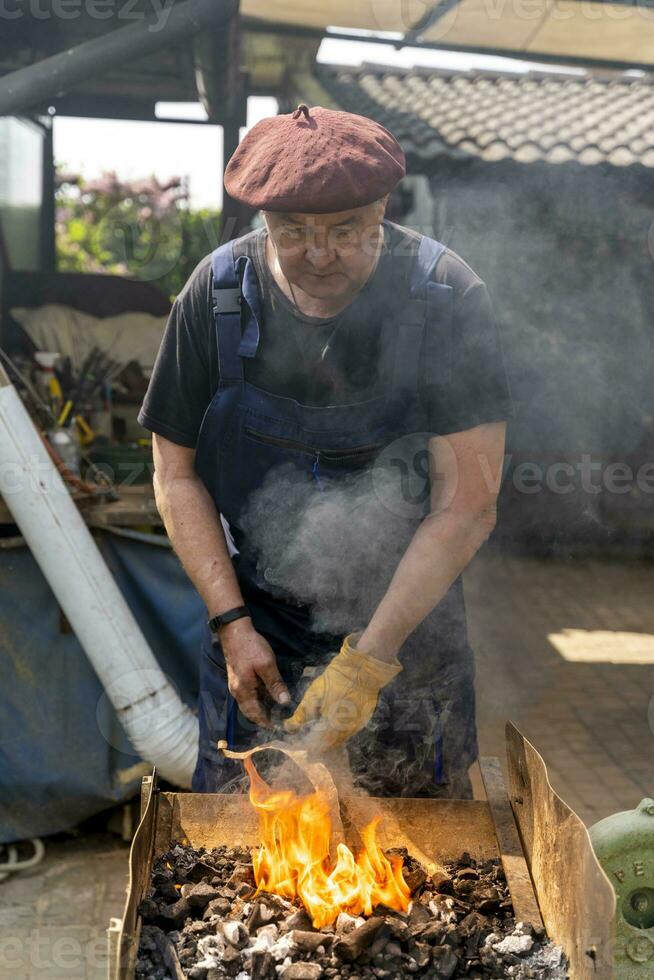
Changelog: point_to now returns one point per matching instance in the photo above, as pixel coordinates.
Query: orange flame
(293, 860)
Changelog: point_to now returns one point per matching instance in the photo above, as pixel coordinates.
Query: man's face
(327, 255)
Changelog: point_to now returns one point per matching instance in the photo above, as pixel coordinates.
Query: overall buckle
(227, 300)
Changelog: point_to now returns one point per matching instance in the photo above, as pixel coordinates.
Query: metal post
(47, 236)
(235, 215)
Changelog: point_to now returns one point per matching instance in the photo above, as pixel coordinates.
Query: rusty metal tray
(551, 870)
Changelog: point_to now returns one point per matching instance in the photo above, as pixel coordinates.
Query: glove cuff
(377, 670)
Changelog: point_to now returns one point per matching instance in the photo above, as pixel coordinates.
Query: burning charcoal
(308, 942)
(299, 920)
(161, 875)
(433, 932)
(225, 892)
(231, 960)
(386, 910)
(148, 909)
(444, 961)
(415, 879)
(346, 923)
(240, 909)
(267, 908)
(420, 952)
(452, 937)
(382, 941)
(241, 873)
(169, 891)
(419, 916)
(200, 871)
(385, 965)
(467, 874)
(186, 957)
(236, 934)
(217, 906)
(197, 973)
(261, 965)
(199, 895)
(302, 971)
(173, 916)
(398, 928)
(353, 945)
(442, 883)
(487, 900)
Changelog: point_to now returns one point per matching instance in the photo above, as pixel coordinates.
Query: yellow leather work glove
(342, 699)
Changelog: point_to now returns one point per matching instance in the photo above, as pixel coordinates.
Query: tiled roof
(525, 117)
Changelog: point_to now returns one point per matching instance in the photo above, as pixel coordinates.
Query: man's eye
(293, 232)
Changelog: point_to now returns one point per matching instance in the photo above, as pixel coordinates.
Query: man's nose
(319, 254)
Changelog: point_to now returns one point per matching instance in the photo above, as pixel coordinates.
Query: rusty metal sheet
(442, 829)
(521, 887)
(575, 896)
(140, 864)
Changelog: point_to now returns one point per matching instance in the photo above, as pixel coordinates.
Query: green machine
(624, 845)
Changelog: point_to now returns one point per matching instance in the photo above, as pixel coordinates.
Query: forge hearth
(192, 895)
(205, 920)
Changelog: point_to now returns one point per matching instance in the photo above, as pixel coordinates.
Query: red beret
(314, 161)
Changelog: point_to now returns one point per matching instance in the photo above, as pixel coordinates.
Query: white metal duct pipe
(160, 727)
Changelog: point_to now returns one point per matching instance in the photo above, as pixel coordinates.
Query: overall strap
(235, 293)
(428, 302)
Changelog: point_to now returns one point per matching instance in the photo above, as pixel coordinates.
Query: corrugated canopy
(620, 32)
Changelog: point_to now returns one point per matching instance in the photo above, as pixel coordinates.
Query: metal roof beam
(429, 18)
(30, 86)
(514, 53)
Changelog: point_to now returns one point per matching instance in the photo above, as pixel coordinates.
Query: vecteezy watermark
(420, 472)
(45, 950)
(145, 244)
(586, 474)
(156, 12)
(407, 473)
(424, 17)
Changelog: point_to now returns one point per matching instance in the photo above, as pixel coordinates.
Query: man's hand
(251, 670)
(342, 700)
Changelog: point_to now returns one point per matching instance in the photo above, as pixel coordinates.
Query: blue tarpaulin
(63, 754)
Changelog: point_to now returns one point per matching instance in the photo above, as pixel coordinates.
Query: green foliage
(142, 229)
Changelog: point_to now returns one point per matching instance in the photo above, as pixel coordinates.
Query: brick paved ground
(53, 919)
(588, 720)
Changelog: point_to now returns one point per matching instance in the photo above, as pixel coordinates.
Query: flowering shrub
(143, 229)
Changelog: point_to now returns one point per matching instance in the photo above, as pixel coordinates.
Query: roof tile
(437, 113)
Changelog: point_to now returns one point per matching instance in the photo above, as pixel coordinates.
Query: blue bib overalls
(422, 737)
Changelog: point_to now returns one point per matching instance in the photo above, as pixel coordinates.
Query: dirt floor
(588, 718)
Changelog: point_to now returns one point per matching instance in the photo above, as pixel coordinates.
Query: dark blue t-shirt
(319, 361)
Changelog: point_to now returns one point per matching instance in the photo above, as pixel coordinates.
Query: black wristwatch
(228, 617)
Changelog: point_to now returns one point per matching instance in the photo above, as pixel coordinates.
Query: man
(298, 365)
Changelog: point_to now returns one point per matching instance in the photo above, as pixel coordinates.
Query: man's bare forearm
(441, 548)
(196, 533)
